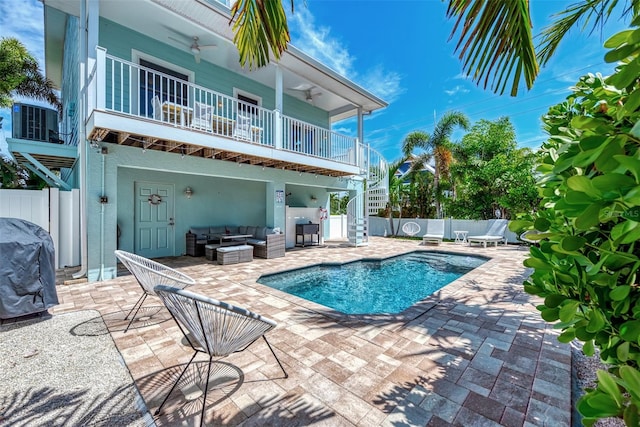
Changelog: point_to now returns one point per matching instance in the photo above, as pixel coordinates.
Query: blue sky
(399, 50)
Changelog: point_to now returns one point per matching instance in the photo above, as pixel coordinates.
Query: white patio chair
(242, 127)
(150, 273)
(494, 234)
(202, 115)
(435, 231)
(213, 327)
(157, 108)
(410, 228)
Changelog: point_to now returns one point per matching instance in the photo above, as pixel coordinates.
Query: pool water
(374, 286)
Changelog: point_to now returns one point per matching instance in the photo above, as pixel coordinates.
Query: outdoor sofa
(265, 242)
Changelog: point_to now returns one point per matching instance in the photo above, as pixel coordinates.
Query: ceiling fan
(195, 47)
(308, 90)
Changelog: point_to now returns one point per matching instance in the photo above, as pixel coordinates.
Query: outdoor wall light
(313, 198)
(188, 192)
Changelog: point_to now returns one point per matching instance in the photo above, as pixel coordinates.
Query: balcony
(133, 105)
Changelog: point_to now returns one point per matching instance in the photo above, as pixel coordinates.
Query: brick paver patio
(476, 353)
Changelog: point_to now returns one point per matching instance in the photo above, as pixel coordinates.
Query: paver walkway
(476, 353)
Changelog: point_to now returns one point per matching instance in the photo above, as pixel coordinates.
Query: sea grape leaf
(620, 292)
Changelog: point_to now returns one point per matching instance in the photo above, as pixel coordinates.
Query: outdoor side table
(461, 236)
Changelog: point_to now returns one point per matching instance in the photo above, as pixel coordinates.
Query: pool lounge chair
(494, 234)
(435, 231)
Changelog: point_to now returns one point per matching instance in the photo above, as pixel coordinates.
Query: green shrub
(587, 263)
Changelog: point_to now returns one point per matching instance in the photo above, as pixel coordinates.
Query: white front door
(154, 232)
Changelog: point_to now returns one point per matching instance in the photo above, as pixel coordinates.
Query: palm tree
(396, 189)
(21, 75)
(495, 41)
(437, 147)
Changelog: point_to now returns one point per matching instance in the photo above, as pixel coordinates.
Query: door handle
(171, 222)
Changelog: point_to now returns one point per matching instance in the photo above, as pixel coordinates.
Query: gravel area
(584, 375)
(65, 370)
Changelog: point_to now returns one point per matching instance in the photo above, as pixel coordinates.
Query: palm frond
(495, 42)
(416, 139)
(260, 28)
(21, 75)
(445, 127)
(36, 85)
(596, 11)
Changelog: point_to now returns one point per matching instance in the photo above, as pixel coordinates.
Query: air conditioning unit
(34, 123)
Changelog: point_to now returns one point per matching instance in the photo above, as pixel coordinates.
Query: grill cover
(27, 272)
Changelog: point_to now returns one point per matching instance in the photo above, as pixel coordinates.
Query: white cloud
(384, 83)
(459, 76)
(321, 44)
(456, 90)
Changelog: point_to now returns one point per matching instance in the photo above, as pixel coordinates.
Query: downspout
(102, 203)
(82, 135)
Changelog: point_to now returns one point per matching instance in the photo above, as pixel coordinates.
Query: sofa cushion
(231, 229)
(200, 232)
(242, 229)
(251, 230)
(234, 248)
(261, 233)
(256, 242)
(269, 230)
(217, 230)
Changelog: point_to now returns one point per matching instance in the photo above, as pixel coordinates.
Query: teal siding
(119, 41)
(215, 201)
(236, 195)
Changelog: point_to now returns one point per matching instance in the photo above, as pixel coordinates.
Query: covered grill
(27, 272)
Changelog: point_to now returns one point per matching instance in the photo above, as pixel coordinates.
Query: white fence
(58, 212)
(381, 227)
(337, 227)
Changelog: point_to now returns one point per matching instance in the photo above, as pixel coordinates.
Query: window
(246, 105)
(167, 84)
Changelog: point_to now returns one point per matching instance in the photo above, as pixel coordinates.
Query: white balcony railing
(128, 88)
(301, 137)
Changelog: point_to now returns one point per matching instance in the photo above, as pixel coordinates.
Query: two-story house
(168, 131)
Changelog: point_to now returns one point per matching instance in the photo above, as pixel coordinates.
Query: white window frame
(237, 92)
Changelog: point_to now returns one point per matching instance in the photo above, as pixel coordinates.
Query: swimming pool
(374, 286)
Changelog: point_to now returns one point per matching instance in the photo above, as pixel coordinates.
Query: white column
(100, 82)
(359, 141)
(277, 128)
(93, 24)
(275, 204)
(360, 124)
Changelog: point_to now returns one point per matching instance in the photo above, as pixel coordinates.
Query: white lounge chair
(411, 228)
(494, 234)
(435, 231)
(214, 328)
(149, 273)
